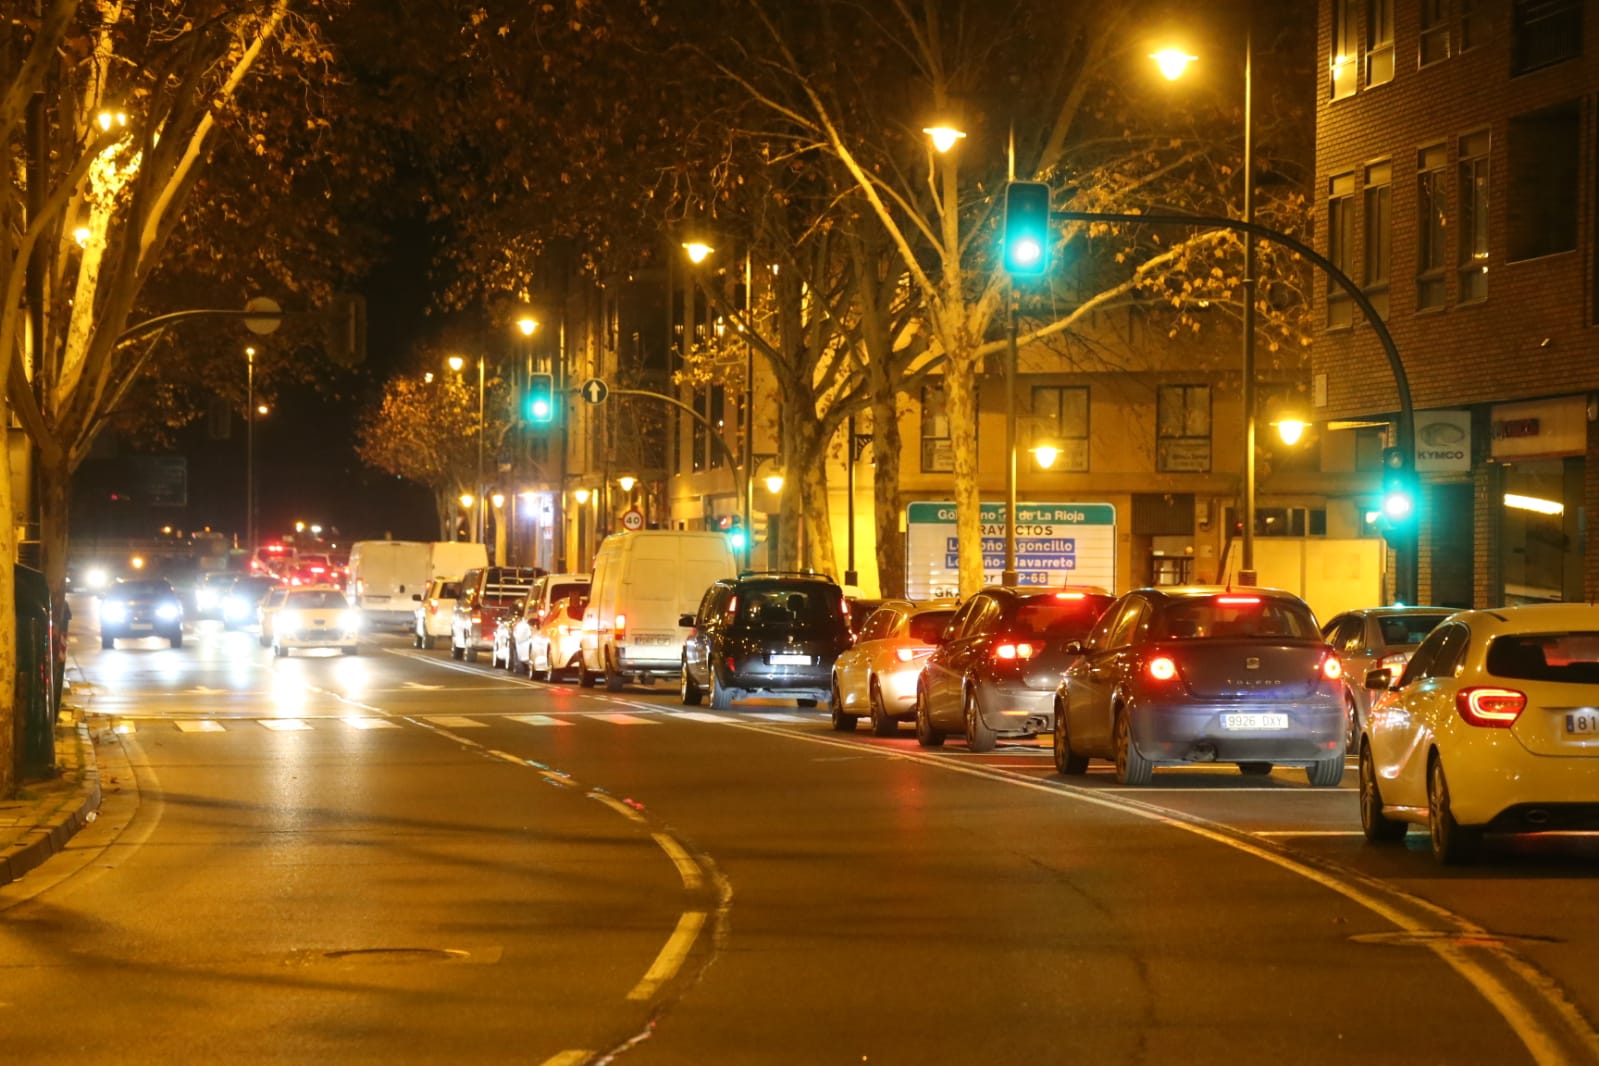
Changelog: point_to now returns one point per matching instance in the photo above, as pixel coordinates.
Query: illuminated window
(1345, 48)
(1472, 257)
(1379, 42)
(1432, 225)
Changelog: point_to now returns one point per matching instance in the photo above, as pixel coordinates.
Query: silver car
(1376, 638)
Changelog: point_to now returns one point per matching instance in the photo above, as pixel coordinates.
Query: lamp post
(1172, 63)
(249, 450)
(480, 522)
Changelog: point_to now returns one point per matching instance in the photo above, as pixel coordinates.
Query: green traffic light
(1026, 248)
(539, 406)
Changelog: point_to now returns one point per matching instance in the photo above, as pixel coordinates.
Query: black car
(139, 608)
(771, 633)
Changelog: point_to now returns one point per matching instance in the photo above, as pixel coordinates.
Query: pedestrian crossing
(372, 722)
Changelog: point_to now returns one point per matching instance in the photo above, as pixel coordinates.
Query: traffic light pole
(1008, 576)
(1405, 553)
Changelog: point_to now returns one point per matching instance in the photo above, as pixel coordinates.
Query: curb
(71, 812)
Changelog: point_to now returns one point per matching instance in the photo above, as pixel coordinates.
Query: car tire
(352, 649)
(1255, 769)
(882, 724)
(1131, 767)
(457, 652)
(279, 651)
(1351, 725)
(107, 643)
(1378, 827)
(842, 723)
(1067, 762)
(721, 695)
(175, 640)
(690, 692)
(1326, 773)
(927, 735)
(586, 678)
(469, 652)
(979, 737)
(614, 681)
(1452, 843)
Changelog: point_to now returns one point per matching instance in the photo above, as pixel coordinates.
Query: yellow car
(877, 677)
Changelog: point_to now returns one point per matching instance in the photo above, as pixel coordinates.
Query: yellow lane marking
(567, 1058)
(670, 960)
(687, 868)
(618, 806)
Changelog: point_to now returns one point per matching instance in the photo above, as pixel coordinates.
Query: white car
(267, 613)
(435, 611)
(316, 618)
(552, 648)
(877, 677)
(1492, 728)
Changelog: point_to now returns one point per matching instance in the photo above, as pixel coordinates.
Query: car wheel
(978, 736)
(416, 639)
(469, 652)
(1131, 767)
(690, 692)
(842, 723)
(175, 640)
(1255, 769)
(573, 665)
(1326, 773)
(1351, 725)
(927, 735)
(456, 651)
(1378, 827)
(721, 695)
(279, 651)
(1067, 762)
(1452, 843)
(107, 643)
(511, 661)
(882, 724)
(614, 681)
(352, 649)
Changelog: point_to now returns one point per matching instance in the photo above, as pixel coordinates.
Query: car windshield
(1407, 628)
(1059, 616)
(312, 599)
(929, 626)
(1236, 616)
(777, 603)
(1566, 657)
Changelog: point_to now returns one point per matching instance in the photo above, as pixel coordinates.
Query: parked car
(1377, 638)
(316, 618)
(502, 651)
(141, 607)
(553, 648)
(995, 672)
(266, 614)
(488, 593)
(765, 633)
(877, 677)
(243, 598)
(860, 610)
(1199, 674)
(514, 632)
(434, 615)
(1492, 728)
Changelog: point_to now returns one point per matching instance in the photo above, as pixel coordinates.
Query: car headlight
(112, 611)
(97, 578)
(204, 598)
(169, 612)
(349, 621)
(286, 620)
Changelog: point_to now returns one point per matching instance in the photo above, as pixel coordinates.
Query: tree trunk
(886, 444)
(818, 519)
(55, 495)
(10, 746)
(960, 397)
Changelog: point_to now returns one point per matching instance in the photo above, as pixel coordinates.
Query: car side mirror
(686, 620)
(1382, 680)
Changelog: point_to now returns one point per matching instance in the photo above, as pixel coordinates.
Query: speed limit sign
(632, 520)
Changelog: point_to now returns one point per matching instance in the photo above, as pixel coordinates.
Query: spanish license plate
(1582, 724)
(651, 638)
(1254, 721)
(784, 659)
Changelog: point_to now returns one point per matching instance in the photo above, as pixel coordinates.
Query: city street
(395, 857)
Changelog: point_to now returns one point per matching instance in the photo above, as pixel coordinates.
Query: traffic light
(1398, 494)
(1026, 228)
(733, 526)
(538, 406)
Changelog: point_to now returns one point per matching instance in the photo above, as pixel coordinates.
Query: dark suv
(487, 594)
(137, 608)
(769, 633)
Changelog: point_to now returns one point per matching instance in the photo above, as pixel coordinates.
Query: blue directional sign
(1056, 544)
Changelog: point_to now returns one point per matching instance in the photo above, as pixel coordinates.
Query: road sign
(1056, 544)
(594, 391)
(632, 520)
(263, 326)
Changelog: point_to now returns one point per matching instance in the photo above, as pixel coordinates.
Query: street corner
(45, 814)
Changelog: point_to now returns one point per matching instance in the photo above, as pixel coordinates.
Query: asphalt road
(400, 858)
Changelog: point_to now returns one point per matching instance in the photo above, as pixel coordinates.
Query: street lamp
(1172, 63)
(249, 450)
(481, 523)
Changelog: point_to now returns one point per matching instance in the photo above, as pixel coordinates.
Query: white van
(451, 559)
(384, 575)
(643, 582)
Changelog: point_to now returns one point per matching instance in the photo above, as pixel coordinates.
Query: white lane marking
(420, 685)
(671, 957)
(567, 1058)
(454, 721)
(776, 716)
(283, 725)
(1306, 833)
(624, 719)
(1259, 790)
(204, 725)
(365, 721)
(537, 719)
(687, 868)
(702, 716)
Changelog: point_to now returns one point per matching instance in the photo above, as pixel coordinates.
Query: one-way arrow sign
(593, 391)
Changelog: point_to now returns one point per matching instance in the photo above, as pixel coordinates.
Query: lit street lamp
(481, 523)
(249, 450)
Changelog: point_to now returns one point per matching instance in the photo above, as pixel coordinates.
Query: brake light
(1068, 595)
(1491, 708)
(732, 606)
(1238, 601)
(1012, 651)
(621, 625)
(1161, 668)
(1331, 668)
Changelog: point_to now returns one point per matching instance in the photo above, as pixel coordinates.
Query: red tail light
(1331, 668)
(1069, 596)
(621, 625)
(1014, 650)
(1161, 668)
(1238, 601)
(1491, 708)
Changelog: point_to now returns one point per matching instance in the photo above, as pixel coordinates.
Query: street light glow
(627, 481)
(1290, 430)
(774, 483)
(467, 499)
(498, 500)
(581, 495)
(698, 251)
(456, 362)
(527, 324)
(1172, 62)
(944, 137)
(1046, 454)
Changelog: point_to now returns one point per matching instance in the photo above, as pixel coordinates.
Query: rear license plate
(650, 638)
(1254, 721)
(782, 659)
(1582, 724)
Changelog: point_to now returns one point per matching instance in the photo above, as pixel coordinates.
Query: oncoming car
(316, 618)
(142, 607)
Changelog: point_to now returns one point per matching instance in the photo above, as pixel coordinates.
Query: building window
(1340, 243)
(1473, 23)
(1432, 225)
(938, 450)
(1182, 429)
(1378, 196)
(1434, 31)
(1542, 183)
(1544, 32)
(1379, 42)
(699, 442)
(1060, 418)
(1472, 257)
(1345, 48)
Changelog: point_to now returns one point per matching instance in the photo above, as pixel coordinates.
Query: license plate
(1254, 721)
(791, 660)
(651, 638)
(1582, 724)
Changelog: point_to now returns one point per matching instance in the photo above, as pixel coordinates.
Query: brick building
(1457, 162)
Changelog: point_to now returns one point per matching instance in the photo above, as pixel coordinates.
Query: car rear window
(315, 599)
(1054, 616)
(1236, 616)
(776, 603)
(928, 627)
(1407, 628)
(1570, 657)
(573, 590)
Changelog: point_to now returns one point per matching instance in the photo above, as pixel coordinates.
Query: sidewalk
(44, 815)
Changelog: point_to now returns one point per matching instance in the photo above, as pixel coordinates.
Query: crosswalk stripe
(625, 719)
(777, 716)
(283, 725)
(454, 721)
(362, 721)
(204, 725)
(538, 719)
(702, 716)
